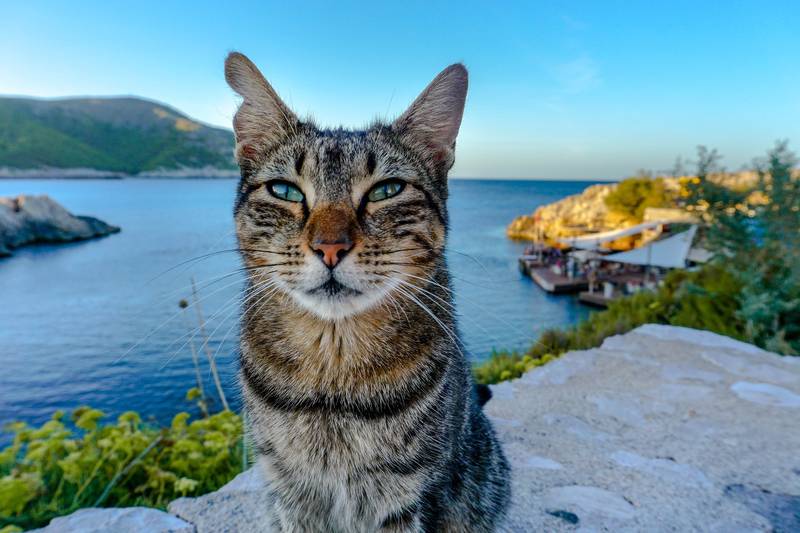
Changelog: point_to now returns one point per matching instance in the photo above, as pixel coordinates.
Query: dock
(629, 271)
(557, 284)
(528, 262)
(595, 299)
(599, 298)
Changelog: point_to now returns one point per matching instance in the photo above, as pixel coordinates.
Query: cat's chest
(344, 469)
(330, 442)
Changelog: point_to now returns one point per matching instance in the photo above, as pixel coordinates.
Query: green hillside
(127, 135)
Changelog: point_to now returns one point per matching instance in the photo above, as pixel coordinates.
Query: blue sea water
(98, 322)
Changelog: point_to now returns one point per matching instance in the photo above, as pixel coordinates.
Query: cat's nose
(332, 252)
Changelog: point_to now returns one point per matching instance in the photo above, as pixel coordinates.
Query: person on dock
(591, 277)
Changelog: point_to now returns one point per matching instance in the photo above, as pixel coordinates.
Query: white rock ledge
(126, 520)
(663, 428)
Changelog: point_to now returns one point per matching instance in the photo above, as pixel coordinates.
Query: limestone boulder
(124, 520)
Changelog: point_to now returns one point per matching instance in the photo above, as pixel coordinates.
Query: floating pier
(556, 283)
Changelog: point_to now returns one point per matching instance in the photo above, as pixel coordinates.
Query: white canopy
(585, 255)
(593, 241)
(699, 255)
(667, 253)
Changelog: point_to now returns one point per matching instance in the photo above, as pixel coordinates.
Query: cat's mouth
(332, 287)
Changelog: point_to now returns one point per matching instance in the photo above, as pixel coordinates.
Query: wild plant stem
(207, 348)
(91, 477)
(198, 376)
(244, 440)
(125, 470)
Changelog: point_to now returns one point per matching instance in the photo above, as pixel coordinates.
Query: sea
(98, 322)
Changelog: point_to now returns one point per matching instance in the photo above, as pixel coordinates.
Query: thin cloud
(571, 23)
(578, 75)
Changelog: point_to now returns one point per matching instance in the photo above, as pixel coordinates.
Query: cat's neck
(383, 342)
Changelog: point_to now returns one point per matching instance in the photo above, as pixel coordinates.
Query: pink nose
(332, 253)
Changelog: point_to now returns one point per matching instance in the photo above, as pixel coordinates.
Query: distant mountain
(87, 137)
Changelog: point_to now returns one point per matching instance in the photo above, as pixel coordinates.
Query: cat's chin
(336, 303)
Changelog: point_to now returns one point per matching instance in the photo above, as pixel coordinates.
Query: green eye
(384, 190)
(285, 191)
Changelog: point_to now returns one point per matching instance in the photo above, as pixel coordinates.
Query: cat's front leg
(292, 519)
(289, 518)
(404, 521)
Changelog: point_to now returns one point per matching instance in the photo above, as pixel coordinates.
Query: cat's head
(340, 220)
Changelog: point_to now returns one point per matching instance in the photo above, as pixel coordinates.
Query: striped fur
(360, 399)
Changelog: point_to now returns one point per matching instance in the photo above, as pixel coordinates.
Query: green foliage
(502, 366)
(706, 299)
(755, 234)
(68, 464)
(633, 195)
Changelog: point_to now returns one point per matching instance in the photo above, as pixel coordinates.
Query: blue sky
(567, 90)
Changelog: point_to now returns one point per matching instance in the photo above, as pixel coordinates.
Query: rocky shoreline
(36, 219)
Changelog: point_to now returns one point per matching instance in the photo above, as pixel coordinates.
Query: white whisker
(232, 302)
(473, 302)
(192, 333)
(430, 313)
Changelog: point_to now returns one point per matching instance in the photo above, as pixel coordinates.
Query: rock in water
(40, 219)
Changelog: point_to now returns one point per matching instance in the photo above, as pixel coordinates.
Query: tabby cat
(360, 400)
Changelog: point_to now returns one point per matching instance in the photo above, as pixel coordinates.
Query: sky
(558, 90)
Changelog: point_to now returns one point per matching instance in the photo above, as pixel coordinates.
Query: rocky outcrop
(660, 429)
(240, 506)
(663, 428)
(587, 212)
(40, 219)
(574, 215)
(125, 520)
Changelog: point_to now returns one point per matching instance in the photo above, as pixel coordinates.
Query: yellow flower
(185, 485)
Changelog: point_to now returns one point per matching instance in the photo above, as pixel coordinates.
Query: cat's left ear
(431, 123)
(262, 121)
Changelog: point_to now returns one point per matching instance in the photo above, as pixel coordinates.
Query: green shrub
(65, 465)
(502, 366)
(633, 195)
(706, 299)
(755, 233)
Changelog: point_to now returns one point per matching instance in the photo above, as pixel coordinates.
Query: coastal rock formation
(40, 219)
(587, 212)
(573, 215)
(663, 428)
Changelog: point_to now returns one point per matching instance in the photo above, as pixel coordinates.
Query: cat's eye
(285, 191)
(385, 189)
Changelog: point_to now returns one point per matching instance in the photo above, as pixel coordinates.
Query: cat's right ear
(262, 120)
(431, 123)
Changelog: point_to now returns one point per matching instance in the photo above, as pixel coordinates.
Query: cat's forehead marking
(340, 158)
(299, 162)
